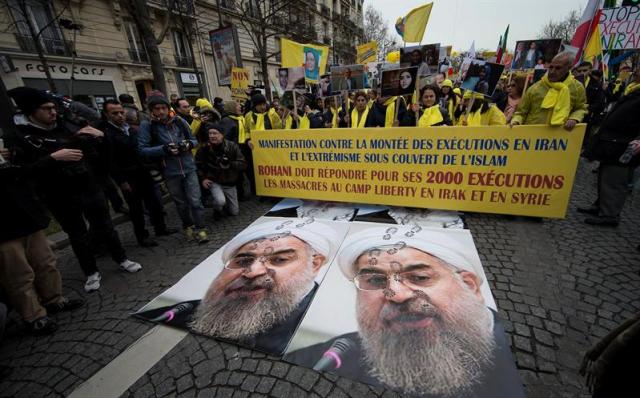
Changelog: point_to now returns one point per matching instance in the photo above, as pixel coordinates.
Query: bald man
(533, 109)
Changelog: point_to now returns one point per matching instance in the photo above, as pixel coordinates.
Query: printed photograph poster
(226, 53)
(482, 76)
(529, 53)
(255, 289)
(425, 58)
(347, 78)
(312, 59)
(408, 308)
(325, 85)
(292, 79)
(401, 81)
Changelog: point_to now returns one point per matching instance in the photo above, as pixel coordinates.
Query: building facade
(110, 54)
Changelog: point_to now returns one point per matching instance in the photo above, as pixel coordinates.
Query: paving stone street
(560, 286)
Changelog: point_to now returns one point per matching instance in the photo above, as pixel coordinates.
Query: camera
(224, 162)
(184, 146)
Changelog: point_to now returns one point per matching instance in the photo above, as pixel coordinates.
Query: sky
(459, 22)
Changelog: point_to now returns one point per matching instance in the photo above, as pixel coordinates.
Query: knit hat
(435, 242)
(230, 107)
(29, 99)
(322, 238)
(154, 100)
(258, 99)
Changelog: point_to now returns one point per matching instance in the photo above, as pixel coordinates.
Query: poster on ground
(226, 53)
(525, 170)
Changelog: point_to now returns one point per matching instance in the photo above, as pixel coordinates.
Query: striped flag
(502, 45)
(586, 26)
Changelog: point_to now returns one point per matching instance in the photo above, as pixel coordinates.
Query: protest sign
(525, 170)
(481, 76)
(620, 28)
(367, 52)
(291, 79)
(400, 81)
(530, 53)
(347, 78)
(239, 83)
(425, 58)
(313, 58)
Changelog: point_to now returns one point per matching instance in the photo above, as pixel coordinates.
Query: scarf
(474, 118)
(355, 123)
(390, 115)
(273, 117)
(305, 123)
(334, 118)
(430, 116)
(243, 135)
(631, 88)
(558, 99)
(288, 122)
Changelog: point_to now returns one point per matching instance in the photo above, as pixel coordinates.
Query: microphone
(170, 314)
(332, 358)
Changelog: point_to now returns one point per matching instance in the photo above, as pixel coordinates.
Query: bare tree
(264, 19)
(20, 9)
(562, 29)
(376, 29)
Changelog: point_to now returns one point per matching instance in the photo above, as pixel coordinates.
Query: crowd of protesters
(70, 162)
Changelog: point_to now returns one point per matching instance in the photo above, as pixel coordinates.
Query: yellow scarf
(355, 123)
(558, 99)
(631, 88)
(334, 119)
(305, 123)
(430, 116)
(390, 115)
(274, 118)
(288, 122)
(616, 86)
(243, 135)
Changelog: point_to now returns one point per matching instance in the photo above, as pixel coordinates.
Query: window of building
(137, 50)
(181, 48)
(40, 15)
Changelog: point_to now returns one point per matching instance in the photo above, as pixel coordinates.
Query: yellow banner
(367, 52)
(239, 82)
(527, 170)
(314, 58)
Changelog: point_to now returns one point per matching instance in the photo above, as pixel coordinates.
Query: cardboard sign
(239, 83)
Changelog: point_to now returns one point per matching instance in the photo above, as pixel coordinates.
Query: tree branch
(167, 22)
(66, 5)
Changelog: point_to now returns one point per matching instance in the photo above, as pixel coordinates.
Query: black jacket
(596, 98)
(378, 113)
(125, 160)
(33, 146)
(20, 211)
(222, 164)
(619, 127)
(501, 380)
(273, 341)
(229, 127)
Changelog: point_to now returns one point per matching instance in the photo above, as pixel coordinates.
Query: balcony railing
(185, 61)
(139, 56)
(49, 46)
(324, 10)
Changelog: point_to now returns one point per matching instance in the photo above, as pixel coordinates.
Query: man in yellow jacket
(557, 99)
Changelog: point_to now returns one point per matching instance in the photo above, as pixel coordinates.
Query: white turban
(435, 242)
(318, 235)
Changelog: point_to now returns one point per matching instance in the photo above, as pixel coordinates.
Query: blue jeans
(185, 192)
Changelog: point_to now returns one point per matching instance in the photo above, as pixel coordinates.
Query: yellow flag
(412, 27)
(594, 45)
(313, 58)
(239, 82)
(367, 52)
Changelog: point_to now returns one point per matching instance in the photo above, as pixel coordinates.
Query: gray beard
(242, 318)
(447, 360)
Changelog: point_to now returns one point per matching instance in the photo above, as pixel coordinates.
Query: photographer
(169, 141)
(67, 165)
(220, 165)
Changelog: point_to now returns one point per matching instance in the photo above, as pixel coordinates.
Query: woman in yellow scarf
(448, 99)
(431, 113)
(360, 113)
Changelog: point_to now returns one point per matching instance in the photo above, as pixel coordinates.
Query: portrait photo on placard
(312, 64)
(482, 76)
(530, 54)
(291, 79)
(347, 78)
(425, 58)
(401, 81)
(255, 289)
(408, 308)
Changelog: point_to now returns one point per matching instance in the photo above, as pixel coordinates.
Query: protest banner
(239, 83)
(620, 28)
(525, 170)
(367, 52)
(313, 58)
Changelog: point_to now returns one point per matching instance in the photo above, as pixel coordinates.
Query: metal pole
(73, 64)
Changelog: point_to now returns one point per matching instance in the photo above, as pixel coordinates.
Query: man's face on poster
(424, 324)
(261, 284)
(416, 57)
(283, 78)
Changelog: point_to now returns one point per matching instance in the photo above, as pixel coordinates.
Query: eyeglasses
(380, 281)
(271, 260)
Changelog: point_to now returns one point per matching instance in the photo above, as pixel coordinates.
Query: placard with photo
(347, 78)
(481, 76)
(529, 53)
(401, 81)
